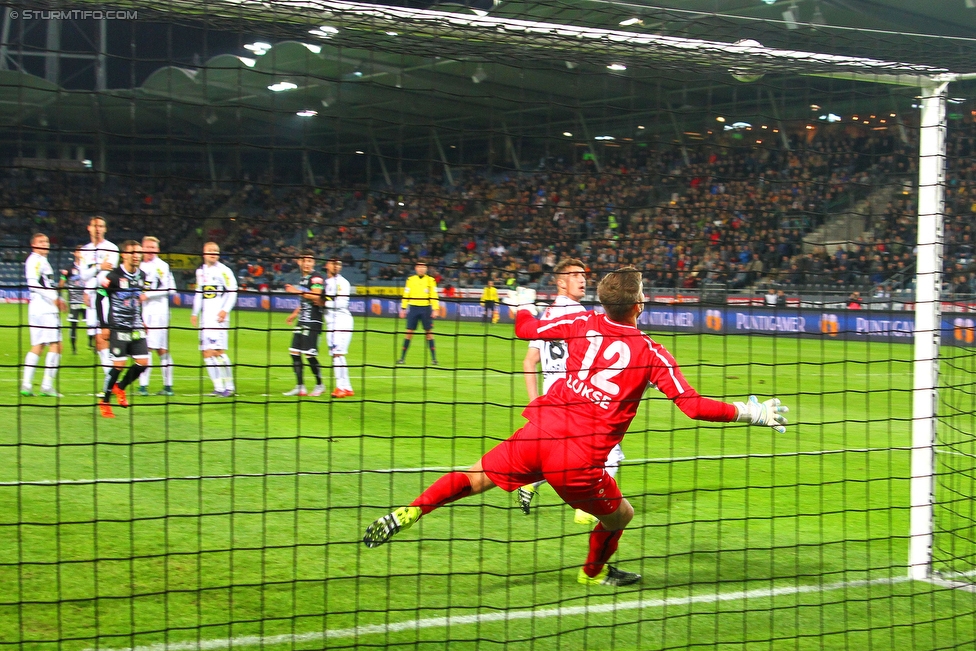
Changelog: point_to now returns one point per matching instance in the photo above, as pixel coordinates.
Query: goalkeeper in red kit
(571, 428)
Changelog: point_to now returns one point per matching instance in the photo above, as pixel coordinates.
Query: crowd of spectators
(726, 211)
(61, 203)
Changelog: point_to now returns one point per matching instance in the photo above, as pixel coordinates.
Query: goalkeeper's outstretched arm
(667, 377)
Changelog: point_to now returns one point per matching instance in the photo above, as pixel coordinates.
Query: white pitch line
(504, 616)
(390, 471)
(441, 371)
(947, 583)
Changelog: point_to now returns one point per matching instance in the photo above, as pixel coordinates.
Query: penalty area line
(504, 616)
(422, 469)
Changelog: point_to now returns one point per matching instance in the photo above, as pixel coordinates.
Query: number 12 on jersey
(599, 386)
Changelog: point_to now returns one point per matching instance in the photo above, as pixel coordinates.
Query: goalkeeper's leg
(603, 544)
(599, 495)
(612, 466)
(449, 488)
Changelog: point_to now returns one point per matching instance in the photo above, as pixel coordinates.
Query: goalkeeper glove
(768, 413)
(522, 298)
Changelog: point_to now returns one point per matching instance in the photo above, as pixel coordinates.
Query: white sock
(338, 364)
(105, 357)
(144, 376)
(30, 363)
(344, 375)
(213, 370)
(51, 363)
(228, 371)
(166, 361)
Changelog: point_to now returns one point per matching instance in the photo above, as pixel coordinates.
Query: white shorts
(157, 331)
(214, 338)
(91, 318)
(615, 457)
(339, 336)
(44, 329)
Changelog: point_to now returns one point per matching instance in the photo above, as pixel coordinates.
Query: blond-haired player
(155, 314)
(215, 297)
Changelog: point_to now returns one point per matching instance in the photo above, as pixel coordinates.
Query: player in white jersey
(216, 296)
(44, 318)
(571, 287)
(338, 324)
(98, 257)
(155, 314)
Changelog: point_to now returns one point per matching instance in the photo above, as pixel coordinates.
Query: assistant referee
(489, 299)
(419, 304)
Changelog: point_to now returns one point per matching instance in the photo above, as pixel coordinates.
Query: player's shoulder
(108, 246)
(656, 349)
(614, 328)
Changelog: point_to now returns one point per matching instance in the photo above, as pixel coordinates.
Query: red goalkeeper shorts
(530, 455)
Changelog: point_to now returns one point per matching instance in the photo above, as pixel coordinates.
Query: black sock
(296, 363)
(406, 344)
(313, 363)
(130, 376)
(74, 336)
(433, 353)
(113, 377)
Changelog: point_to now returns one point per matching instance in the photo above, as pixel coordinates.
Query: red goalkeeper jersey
(609, 367)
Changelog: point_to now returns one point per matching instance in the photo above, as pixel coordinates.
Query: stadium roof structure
(361, 76)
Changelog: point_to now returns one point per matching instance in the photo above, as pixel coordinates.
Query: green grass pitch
(221, 523)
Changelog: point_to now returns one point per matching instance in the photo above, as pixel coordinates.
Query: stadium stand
(732, 215)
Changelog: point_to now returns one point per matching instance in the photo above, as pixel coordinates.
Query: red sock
(450, 487)
(603, 544)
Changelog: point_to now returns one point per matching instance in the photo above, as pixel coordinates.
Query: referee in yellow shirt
(419, 304)
(489, 299)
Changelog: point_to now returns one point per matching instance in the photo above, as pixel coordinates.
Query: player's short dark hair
(130, 244)
(422, 261)
(566, 263)
(94, 217)
(619, 291)
(306, 254)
